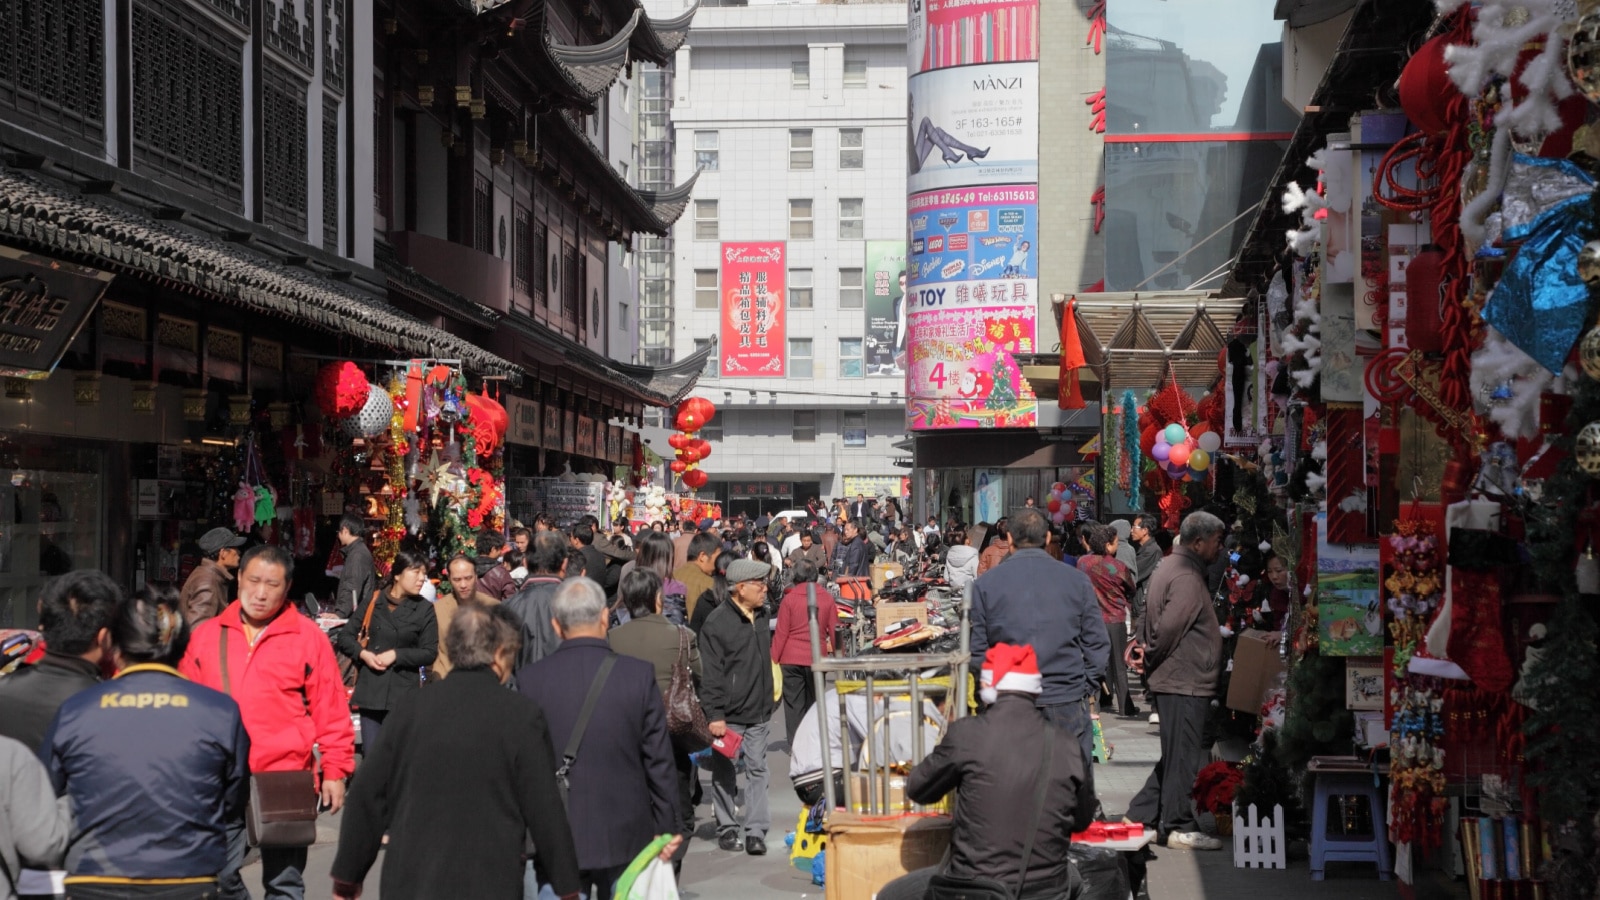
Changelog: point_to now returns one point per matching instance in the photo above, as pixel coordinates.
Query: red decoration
(694, 413)
(1069, 394)
(1423, 302)
(1097, 28)
(689, 455)
(678, 440)
(678, 466)
(341, 390)
(1425, 86)
(412, 407)
(1098, 201)
(483, 422)
(695, 479)
(1097, 111)
(701, 446)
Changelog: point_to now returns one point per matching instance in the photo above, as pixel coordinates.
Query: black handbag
(945, 887)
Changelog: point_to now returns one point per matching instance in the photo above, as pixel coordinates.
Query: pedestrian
(1113, 583)
(736, 655)
(650, 636)
(852, 559)
(961, 561)
(791, 641)
(494, 576)
(397, 640)
(996, 547)
(463, 577)
(606, 714)
(1183, 658)
(1020, 792)
(1034, 600)
(717, 594)
(466, 773)
(594, 563)
(1127, 553)
(75, 615)
(279, 667)
(808, 548)
(153, 765)
(548, 562)
(210, 586)
(359, 577)
(1272, 596)
(33, 826)
(521, 538)
(653, 551)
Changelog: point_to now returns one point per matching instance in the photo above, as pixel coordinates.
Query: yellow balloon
(1199, 460)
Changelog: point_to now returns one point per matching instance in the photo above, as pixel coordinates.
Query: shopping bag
(647, 877)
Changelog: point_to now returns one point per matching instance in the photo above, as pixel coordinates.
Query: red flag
(1069, 395)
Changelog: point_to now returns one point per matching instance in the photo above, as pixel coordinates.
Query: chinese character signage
(886, 312)
(585, 436)
(43, 303)
(524, 416)
(753, 297)
(569, 431)
(552, 428)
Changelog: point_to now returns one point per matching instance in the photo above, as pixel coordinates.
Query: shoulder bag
(283, 805)
(570, 754)
(686, 720)
(944, 887)
(365, 634)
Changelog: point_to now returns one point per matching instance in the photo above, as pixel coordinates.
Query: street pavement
(713, 874)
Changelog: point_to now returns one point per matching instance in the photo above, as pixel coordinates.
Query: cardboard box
(1256, 668)
(890, 613)
(859, 783)
(867, 852)
(883, 572)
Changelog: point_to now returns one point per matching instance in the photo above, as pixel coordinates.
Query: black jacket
(736, 667)
(410, 630)
(464, 773)
(992, 761)
(30, 696)
(357, 581)
(1035, 600)
(532, 606)
(623, 785)
(852, 558)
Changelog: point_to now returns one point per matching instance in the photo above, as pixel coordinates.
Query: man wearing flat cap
(210, 586)
(736, 694)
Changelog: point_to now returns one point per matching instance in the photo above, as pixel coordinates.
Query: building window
(705, 289)
(851, 294)
(800, 74)
(805, 425)
(855, 429)
(705, 220)
(541, 263)
(482, 215)
(850, 358)
(622, 315)
(852, 212)
(710, 369)
(712, 430)
(855, 74)
(800, 357)
(800, 220)
(799, 288)
(706, 150)
(521, 257)
(800, 149)
(852, 149)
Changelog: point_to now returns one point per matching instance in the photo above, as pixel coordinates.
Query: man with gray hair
(609, 725)
(1183, 656)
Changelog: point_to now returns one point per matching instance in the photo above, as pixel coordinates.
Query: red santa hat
(1009, 667)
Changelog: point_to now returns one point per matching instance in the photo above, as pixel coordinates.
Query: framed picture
(1363, 685)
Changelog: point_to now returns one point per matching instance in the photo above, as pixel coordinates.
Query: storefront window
(52, 502)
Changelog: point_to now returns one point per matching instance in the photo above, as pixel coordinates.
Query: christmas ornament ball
(1589, 263)
(1589, 353)
(1583, 54)
(1587, 451)
(374, 417)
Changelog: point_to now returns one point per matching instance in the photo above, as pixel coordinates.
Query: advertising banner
(975, 234)
(524, 421)
(753, 333)
(965, 337)
(886, 313)
(974, 125)
(946, 33)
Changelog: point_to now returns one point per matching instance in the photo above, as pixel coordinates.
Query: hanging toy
(244, 508)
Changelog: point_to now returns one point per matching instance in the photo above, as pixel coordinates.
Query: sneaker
(1193, 840)
(729, 840)
(757, 846)
(1155, 719)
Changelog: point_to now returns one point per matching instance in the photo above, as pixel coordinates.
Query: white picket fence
(1258, 845)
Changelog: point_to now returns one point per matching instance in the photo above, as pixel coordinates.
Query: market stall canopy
(1130, 338)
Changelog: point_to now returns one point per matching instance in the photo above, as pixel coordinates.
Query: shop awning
(1140, 340)
(115, 235)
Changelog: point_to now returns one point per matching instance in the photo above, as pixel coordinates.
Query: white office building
(795, 116)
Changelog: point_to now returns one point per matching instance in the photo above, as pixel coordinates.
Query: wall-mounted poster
(886, 311)
(753, 299)
(1363, 685)
(974, 125)
(945, 33)
(1349, 611)
(963, 371)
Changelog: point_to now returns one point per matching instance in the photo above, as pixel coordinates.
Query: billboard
(753, 309)
(975, 125)
(946, 33)
(974, 234)
(965, 337)
(886, 313)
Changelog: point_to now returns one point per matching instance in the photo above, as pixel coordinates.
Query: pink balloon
(1178, 455)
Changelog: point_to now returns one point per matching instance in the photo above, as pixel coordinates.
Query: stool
(806, 845)
(1327, 847)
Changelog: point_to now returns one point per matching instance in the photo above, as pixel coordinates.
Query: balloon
(678, 466)
(1054, 505)
(695, 480)
(1199, 460)
(1211, 442)
(1161, 451)
(1175, 434)
(1058, 488)
(1196, 476)
(1179, 454)
(1059, 517)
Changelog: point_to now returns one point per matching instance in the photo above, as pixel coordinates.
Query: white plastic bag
(656, 882)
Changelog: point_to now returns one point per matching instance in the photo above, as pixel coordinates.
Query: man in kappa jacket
(736, 694)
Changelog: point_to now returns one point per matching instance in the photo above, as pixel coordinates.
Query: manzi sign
(43, 304)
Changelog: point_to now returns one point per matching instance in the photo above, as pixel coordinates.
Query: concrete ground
(712, 874)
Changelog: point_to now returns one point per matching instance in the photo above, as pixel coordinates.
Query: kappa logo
(115, 700)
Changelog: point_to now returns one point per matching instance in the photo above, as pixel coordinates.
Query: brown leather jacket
(998, 549)
(208, 589)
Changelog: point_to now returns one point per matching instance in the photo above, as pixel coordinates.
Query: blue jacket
(155, 767)
(624, 784)
(1033, 599)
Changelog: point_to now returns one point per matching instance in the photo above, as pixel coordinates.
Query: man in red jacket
(279, 667)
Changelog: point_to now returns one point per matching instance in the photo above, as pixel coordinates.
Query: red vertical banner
(753, 300)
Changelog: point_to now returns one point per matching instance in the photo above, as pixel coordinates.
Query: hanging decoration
(1129, 464)
(690, 449)
(341, 390)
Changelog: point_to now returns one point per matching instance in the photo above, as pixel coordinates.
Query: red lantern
(695, 479)
(701, 446)
(678, 466)
(1147, 439)
(694, 413)
(678, 441)
(689, 455)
